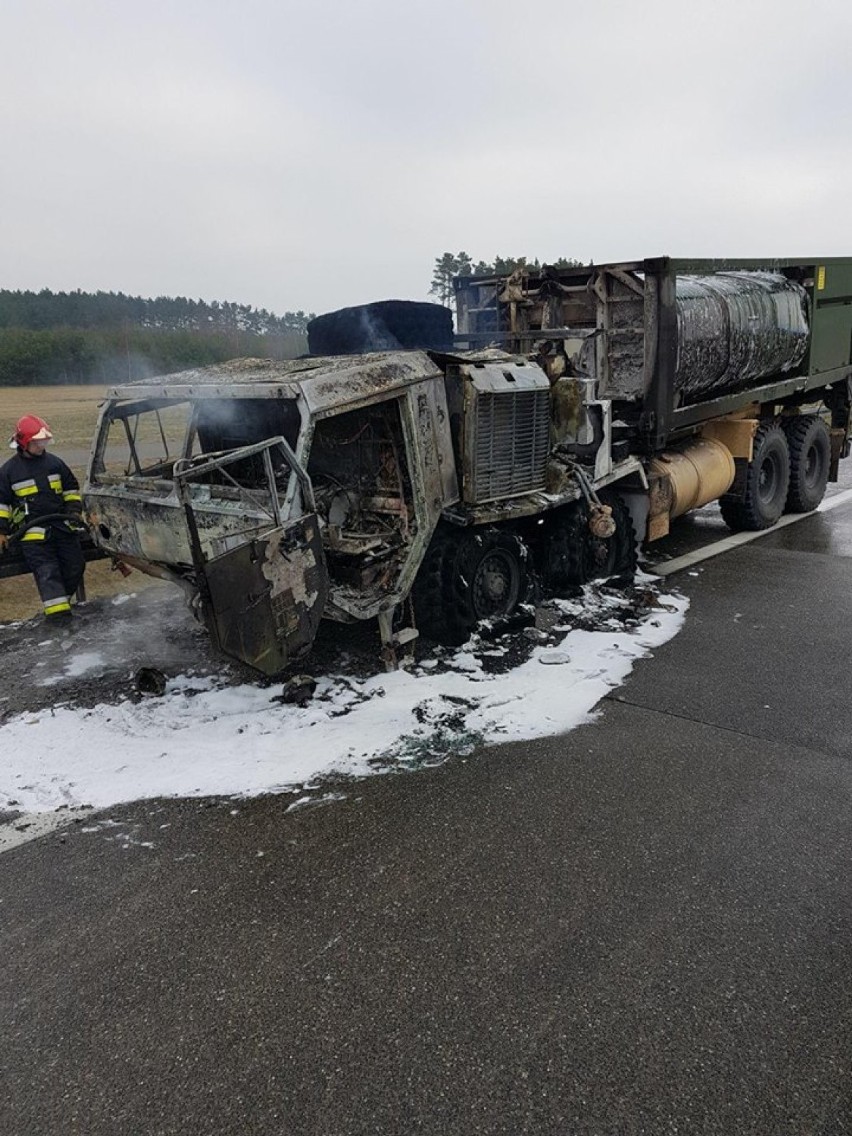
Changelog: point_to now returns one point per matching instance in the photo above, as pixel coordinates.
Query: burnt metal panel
(263, 601)
(349, 381)
(507, 432)
(621, 334)
(785, 390)
(431, 452)
(128, 521)
(660, 352)
(325, 383)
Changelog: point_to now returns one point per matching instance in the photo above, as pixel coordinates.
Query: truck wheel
(564, 556)
(469, 575)
(618, 555)
(810, 457)
(573, 556)
(767, 480)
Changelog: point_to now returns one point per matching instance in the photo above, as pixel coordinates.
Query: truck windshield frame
(136, 464)
(160, 431)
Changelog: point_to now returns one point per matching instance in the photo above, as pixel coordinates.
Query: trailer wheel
(573, 556)
(767, 480)
(810, 458)
(469, 575)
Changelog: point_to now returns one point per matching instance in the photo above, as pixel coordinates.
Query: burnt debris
(386, 325)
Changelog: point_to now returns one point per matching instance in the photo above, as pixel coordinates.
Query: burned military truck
(580, 411)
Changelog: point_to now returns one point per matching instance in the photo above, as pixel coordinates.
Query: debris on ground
(98, 721)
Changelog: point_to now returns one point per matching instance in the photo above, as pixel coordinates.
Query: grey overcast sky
(309, 155)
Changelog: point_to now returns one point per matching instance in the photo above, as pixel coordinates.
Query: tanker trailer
(731, 379)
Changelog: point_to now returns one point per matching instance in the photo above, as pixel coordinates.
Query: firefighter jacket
(35, 487)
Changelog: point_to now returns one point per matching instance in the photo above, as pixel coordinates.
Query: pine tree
(442, 277)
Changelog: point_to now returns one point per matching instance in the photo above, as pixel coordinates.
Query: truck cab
(276, 493)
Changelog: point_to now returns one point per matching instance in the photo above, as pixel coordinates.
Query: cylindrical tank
(698, 473)
(735, 328)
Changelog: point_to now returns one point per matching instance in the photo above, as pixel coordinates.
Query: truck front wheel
(573, 556)
(767, 481)
(810, 458)
(469, 575)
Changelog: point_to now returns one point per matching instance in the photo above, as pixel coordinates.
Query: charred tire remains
(810, 457)
(573, 556)
(469, 575)
(767, 481)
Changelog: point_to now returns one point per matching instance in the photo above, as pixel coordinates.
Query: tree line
(107, 310)
(105, 337)
(449, 264)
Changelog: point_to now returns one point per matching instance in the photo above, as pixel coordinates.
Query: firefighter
(36, 485)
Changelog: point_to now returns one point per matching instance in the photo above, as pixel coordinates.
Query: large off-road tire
(573, 556)
(469, 575)
(810, 458)
(767, 481)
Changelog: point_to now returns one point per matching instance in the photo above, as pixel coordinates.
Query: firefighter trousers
(57, 563)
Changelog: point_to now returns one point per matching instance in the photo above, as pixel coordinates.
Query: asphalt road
(643, 926)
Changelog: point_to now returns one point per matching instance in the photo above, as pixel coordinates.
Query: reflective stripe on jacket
(39, 486)
(25, 488)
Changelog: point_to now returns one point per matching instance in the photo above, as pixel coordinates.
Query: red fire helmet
(30, 428)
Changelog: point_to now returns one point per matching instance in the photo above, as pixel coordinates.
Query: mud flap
(264, 599)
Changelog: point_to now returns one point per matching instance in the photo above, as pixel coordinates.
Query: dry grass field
(72, 413)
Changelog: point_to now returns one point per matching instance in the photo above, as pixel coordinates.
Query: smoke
(130, 367)
(95, 658)
(377, 335)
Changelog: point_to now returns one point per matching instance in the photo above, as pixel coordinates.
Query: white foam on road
(201, 739)
(77, 665)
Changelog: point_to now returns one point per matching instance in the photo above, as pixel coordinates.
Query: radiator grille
(510, 444)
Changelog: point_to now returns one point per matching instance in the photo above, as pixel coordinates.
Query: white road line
(736, 539)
